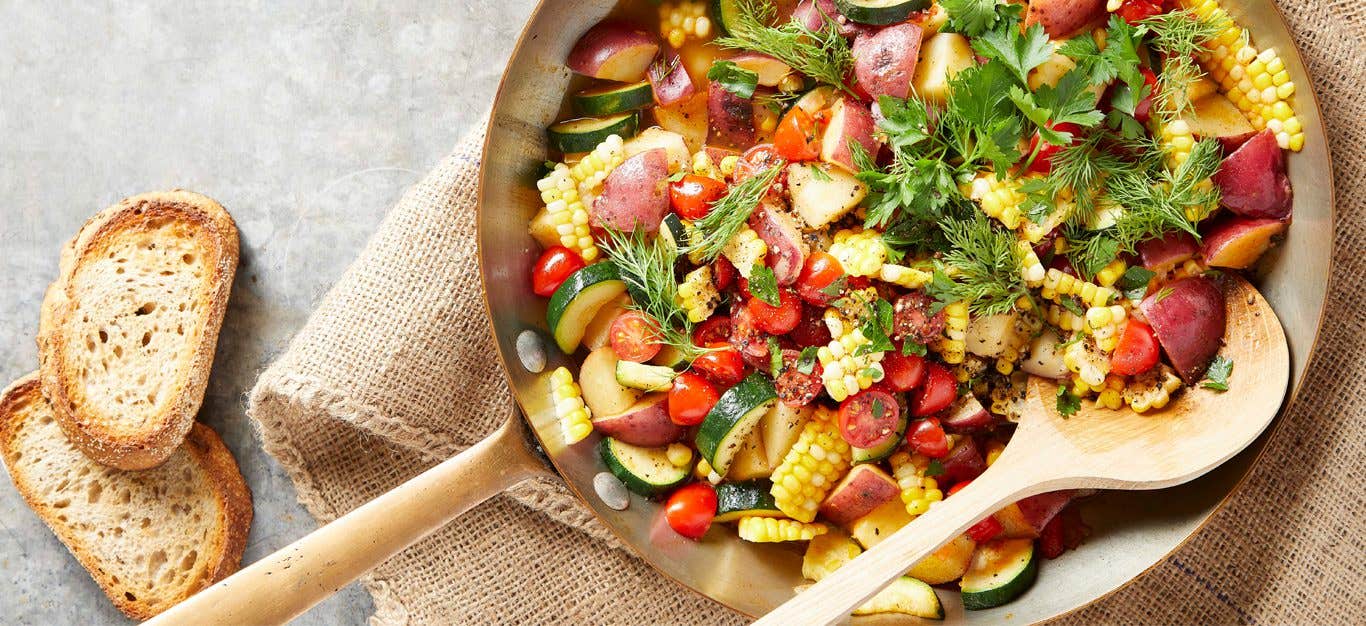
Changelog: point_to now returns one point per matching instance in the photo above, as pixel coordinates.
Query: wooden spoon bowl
(1095, 448)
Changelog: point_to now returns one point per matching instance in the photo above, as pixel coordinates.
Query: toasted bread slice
(150, 538)
(129, 328)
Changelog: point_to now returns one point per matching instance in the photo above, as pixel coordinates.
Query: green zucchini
(578, 299)
(585, 133)
(645, 377)
(885, 449)
(723, 431)
(669, 356)
(905, 595)
(613, 98)
(646, 471)
(880, 12)
(1000, 571)
(746, 499)
(726, 14)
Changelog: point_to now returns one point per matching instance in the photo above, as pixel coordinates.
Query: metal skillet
(1132, 530)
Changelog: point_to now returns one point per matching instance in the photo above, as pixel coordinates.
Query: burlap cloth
(394, 372)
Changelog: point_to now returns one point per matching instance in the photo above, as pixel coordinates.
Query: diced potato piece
(941, 56)
(781, 427)
(1051, 71)
(1215, 116)
(543, 230)
(598, 379)
(946, 564)
(827, 553)
(872, 528)
(655, 137)
(821, 194)
(750, 462)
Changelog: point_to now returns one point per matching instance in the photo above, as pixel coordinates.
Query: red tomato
(1135, 11)
(692, 195)
(690, 398)
(939, 391)
(982, 531)
(1143, 110)
(555, 265)
(755, 160)
(811, 331)
(778, 320)
(902, 372)
(1137, 351)
(794, 388)
(1043, 160)
(634, 337)
(797, 137)
(869, 418)
(1051, 543)
(819, 272)
(721, 365)
(690, 510)
(927, 437)
(715, 329)
(723, 273)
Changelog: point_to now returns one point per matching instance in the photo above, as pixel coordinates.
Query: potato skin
(1062, 18)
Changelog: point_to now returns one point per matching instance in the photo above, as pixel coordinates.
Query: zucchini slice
(723, 432)
(726, 14)
(747, 499)
(582, 134)
(578, 299)
(880, 12)
(883, 450)
(905, 595)
(613, 98)
(645, 377)
(646, 471)
(1000, 571)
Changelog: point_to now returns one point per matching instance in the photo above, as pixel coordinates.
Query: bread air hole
(146, 339)
(187, 259)
(93, 492)
(146, 308)
(104, 337)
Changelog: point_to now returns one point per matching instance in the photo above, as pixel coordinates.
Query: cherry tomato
(927, 437)
(634, 337)
(819, 272)
(755, 160)
(939, 391)
(690, 510)
(902, 372)
(555, 265)
(778, 320)
(1137, 351)
(869, 418)
(982, 531)
(794, 388)
(1143, 110)
(797, 137)
(690, 398)
(723, 273)
(1043, 160)
(1135, 11)
(721, 364)
(716, 329)
(811, 331)
(692, 195)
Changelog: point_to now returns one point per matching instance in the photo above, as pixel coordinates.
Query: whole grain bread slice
(128, 330)
(150, 538)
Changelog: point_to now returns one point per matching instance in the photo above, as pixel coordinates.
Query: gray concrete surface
(305, 118)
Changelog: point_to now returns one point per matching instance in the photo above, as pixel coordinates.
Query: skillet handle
(283, 585)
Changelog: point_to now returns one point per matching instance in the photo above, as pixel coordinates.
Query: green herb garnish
(821, 54)
(806, 363)
(733, 78)
(987, 273)
(764, 285)
(1068, 404)
(935, 468)
(729, 214)
(1216, 377)
(647, 267)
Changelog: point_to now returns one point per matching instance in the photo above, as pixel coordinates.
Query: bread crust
(152, 444)
(224, 548)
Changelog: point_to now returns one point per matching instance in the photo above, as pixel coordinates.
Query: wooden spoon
(1096, 448)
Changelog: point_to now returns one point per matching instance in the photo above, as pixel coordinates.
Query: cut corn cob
(1063, 319)
(1105, 324)
(908, 277)
(860, 252)
(953, 346)
(1110, 274)
(999, 199)
(1188, 269)
(811, 468)
(576, 422)
(1151, 389)
(566, 211)
(1008, 400)
(1112, 392)
(681, 20)
(1031, 269)
(918, 491)
(702, 165)
(771, 529)
(594, 167)
(1087, 362)
(972, 367)
(745, 250)
(1177, 142)
(728, 163)
(844, 371)
(1057, 285)
(697, 295)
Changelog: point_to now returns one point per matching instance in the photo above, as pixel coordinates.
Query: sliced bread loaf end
(129, 328)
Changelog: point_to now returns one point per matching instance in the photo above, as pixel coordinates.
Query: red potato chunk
(850, 123)
(1163, 255)
(614, 50)
(966, 414)
(864, 488)
(671, 82)
(1061, 18)
(964, 462)
(770, 71)
(1253, 179)
(1237, 242)
(814, 14)
(1188, 318)
(731, 117)
(635, 194)
(884, 61)
(646, 423)
(786, 248)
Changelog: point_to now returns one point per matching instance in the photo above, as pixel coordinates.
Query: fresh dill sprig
(986, 271)
(821, 54)
(1178, 36)
(647, 267)
(729, 214)
(1079, 169)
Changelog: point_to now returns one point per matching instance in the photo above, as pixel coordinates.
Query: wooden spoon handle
(833, 598)
(283, 585)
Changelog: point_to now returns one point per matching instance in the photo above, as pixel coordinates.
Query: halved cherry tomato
(939, 391)
(869, 418)
(556, 265)
(927, 437)
(1043, 160)
(755, 160)
(723, 273)
(721, 364)
(797, 137)
(982, 531)
(819, 272)
(902, 372)
(777, 320)
(1135, 11)
(692, 195)
(794, 388)
(634, 337)
(716, 329)
(811, 331)
(690, 509)
(1137, 351)
(690, 399)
